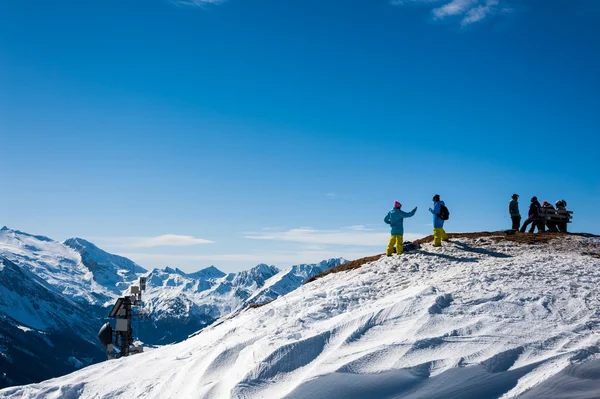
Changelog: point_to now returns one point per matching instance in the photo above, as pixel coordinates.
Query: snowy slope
(29, 300)
(54, 297)
(180, 304)
(42, 327)
(208, 292)
(112, 272)
(474, 319)
(60, 266)
(288, 280)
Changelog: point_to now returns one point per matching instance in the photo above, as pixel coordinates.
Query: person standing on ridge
(533, 217)
(561, 209)
(395, 218)
(440, 213)
(513, 209)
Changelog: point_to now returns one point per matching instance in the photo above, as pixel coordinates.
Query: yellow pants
(395, 240)
(439, 235)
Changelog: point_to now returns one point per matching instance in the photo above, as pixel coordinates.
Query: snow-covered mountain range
(483, 318)
(54, 297)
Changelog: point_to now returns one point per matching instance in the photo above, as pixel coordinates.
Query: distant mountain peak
(113, 272)
(263, 267)
(202, 274)
(207, 273)
(77, 241)
(170, 270)
(22, 233)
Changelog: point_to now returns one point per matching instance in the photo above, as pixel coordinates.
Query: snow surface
(473, 319)
(57, 264)
(112, 272)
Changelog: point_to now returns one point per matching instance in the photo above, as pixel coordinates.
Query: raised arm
(409, 214)
(436, 208)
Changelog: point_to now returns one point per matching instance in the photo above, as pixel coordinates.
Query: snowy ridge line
(501, 235)
(493, 318)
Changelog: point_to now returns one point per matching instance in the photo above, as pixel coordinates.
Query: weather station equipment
(119, 341)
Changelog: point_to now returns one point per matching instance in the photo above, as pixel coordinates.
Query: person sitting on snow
(547, 214)
(395, 218)
(439, 234)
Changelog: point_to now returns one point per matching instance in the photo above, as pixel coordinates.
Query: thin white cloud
(331, 195)
(470, 11)
(406, 2)
(313, 247)
(308, 256)
(358, 227)
(330, 237)
(455, 7)
(165, 240)
(196, 3)
(480, 12)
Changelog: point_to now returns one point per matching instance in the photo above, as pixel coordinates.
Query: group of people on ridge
(543, 216)
(395, 218)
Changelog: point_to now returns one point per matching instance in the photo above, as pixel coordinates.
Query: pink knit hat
(397, 204)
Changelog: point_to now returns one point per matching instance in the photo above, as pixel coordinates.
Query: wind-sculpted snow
(476, 319)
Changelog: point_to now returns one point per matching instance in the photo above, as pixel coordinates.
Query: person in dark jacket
(513, 209)
(395, 218)
(561, 209)
(533, 217)
(548, 213)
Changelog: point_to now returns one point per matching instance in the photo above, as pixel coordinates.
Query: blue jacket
(437, 222)
(395, 218)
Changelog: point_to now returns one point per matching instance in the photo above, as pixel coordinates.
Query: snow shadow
(448, 257)
(474, 382)
(578, 381)
(482, 251)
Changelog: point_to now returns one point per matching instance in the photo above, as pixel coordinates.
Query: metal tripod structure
(121, 337)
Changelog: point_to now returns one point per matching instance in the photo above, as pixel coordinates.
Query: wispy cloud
(469, 11)
(455, 7)
(331, 195)
(196, 3)
(165, 240)
(330, 237)
(306, 256)
(359, 227)
(480, 12)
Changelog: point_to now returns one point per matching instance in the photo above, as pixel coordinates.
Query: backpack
(410, 246)
(444, 213)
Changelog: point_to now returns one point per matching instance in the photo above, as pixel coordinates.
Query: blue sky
(245, 131)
